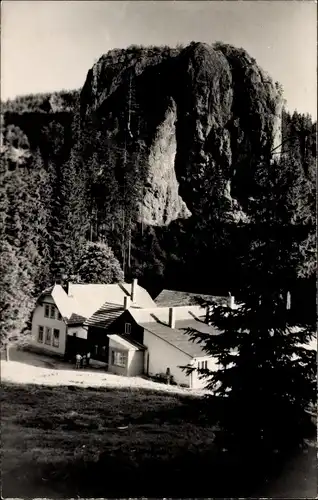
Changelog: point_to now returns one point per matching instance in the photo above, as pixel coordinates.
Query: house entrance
(74, 345)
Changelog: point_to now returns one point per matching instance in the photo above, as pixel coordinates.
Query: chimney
(230, 301)
(172, 318)
(65, 284)
(209, 309)
(134, 289)
(126, 303)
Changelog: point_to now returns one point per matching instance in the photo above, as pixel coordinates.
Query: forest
(73, 181)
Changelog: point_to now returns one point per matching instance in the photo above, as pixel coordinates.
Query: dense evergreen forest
(62, 197)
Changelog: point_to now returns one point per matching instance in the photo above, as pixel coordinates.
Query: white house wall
(81, 333)
(196, 382)
(135, 363)
(39, 319)
(116, 347)
(163, 355)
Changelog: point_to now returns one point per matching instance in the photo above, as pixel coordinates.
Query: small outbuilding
(126, 357)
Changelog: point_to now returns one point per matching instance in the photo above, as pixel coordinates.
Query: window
(48, 335)
(59, 316)
(47, 311)
(202, 365)
(40, 334)
(127, 328)
(119, 358)
(56, 337)
(52, 314)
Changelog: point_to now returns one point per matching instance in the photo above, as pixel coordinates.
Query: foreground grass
(63, 442)
(68, 441)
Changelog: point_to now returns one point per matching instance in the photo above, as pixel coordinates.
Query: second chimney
(134, 289)
(126, 303)
(230, 301)
(172, 317)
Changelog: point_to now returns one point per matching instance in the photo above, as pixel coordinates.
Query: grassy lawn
(66, 441)
(115, 443)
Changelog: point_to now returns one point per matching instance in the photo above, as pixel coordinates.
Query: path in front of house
(29, 368)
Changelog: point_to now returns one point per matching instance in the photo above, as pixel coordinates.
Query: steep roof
(156, 321)
(85, 300)
(178, 336)
(75, 319)
(174, 298)
(64, 303)
(105, 316)
(91, 297)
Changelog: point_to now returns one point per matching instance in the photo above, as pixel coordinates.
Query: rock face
(204, 115)
(162, 202)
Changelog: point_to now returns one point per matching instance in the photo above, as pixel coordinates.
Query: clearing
(27, 367)
(68, 433)
(68, 441)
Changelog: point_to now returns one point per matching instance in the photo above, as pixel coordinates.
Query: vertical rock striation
(204, 115)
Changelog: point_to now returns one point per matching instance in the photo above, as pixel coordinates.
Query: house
(124, 329)
(58, 320)
(169, 347)
(153, 340)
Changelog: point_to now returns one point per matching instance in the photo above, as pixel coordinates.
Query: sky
(51, 45)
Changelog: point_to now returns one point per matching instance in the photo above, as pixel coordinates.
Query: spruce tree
(266, 364)
(23, 226)
(74, 220)
(16, 293)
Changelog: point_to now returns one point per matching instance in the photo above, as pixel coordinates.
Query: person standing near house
(84, 361)
(78, 359)
(168, 376)
(88, 357)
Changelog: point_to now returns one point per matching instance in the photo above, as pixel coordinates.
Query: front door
(74, 345)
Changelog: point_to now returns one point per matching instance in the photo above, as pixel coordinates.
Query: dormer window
(127, 328)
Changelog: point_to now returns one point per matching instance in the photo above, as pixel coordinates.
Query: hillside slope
(159, 154)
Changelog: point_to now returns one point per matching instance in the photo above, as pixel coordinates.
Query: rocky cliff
(203, 115)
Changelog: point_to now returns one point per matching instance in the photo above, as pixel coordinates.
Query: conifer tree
(74, 214)
(15, 296)
(23, 226)
(266, 363)
(39, 188)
